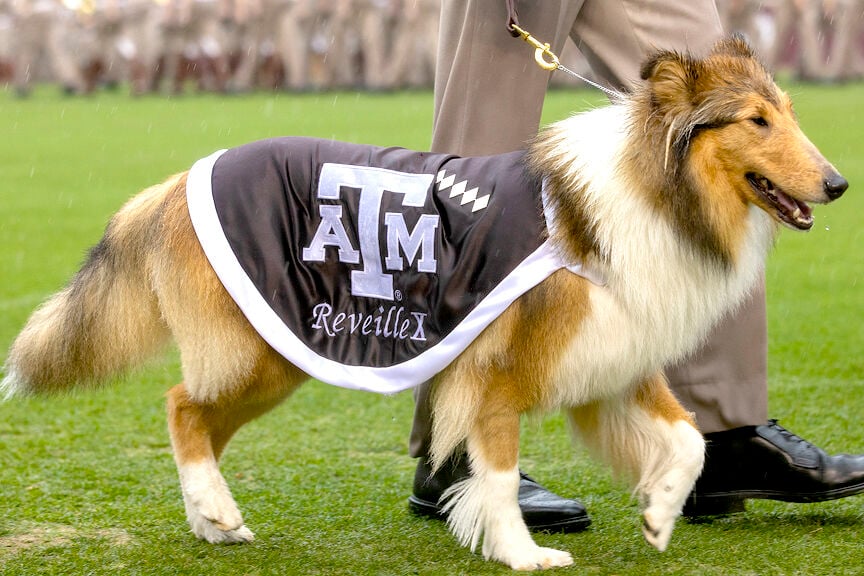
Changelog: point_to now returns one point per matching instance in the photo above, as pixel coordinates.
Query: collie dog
(665, 203)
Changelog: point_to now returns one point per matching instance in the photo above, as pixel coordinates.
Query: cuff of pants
(720, 406)
(421, 431)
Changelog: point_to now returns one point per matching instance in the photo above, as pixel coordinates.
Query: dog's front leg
(672, 465)
(487, 502)
(647, 436)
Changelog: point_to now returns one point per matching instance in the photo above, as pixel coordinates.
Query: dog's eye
(760, 121)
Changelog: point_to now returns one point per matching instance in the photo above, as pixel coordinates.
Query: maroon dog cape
(369, 268)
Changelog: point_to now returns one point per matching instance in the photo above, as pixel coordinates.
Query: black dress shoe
(543, 511)
(769, 462)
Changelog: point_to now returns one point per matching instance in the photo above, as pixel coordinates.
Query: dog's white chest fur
(661, 296)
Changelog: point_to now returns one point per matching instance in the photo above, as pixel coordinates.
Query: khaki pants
(488, 99)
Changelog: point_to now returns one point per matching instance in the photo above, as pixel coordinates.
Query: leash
(543, 55)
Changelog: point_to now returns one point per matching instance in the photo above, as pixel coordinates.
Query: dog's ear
(672, 77)
(735, 45)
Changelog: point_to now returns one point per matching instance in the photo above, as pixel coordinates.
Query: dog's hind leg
(486, 503)
(210, 509)
(200, 430)
(230, 374)
(649, 438)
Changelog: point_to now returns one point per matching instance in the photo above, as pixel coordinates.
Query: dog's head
(737, 130)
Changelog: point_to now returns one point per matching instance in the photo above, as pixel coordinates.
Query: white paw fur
(486, 504)
(210, 509)
(664, 495)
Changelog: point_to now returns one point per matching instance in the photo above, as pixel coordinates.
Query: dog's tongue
(799, 212)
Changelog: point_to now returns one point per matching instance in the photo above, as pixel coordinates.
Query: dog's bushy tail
(106, 320)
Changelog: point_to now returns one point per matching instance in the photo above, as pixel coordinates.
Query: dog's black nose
(835, 186)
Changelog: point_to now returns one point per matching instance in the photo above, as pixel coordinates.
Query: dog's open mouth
(793, 212)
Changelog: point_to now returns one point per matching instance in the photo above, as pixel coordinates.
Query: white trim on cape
(535, 268)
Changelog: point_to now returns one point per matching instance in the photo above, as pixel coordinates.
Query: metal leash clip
(542, 51)
(547, 60)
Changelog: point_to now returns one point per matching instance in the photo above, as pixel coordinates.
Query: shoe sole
(712, 506)
(722, 503)
(428, 509)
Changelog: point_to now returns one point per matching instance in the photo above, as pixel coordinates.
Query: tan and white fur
(672, 195)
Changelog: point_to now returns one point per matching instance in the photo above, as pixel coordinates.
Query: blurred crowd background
(235, 46)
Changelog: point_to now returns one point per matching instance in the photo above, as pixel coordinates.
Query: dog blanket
(369, 268)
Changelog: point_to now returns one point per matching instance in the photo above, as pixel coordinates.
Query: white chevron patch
(459, 189)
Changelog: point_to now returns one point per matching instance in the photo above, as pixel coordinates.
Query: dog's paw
(212, 513)
(657, 528)
(207, 530)
(538, 558)
(218, 524)
(218, 511)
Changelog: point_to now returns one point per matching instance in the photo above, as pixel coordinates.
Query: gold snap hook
(545, 58)
(540, 55)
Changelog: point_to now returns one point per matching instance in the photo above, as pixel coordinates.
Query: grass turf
(88, 483)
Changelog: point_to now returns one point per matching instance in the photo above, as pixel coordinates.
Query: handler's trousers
(488, 99)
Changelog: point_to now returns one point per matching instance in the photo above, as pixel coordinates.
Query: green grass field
(87, 482)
